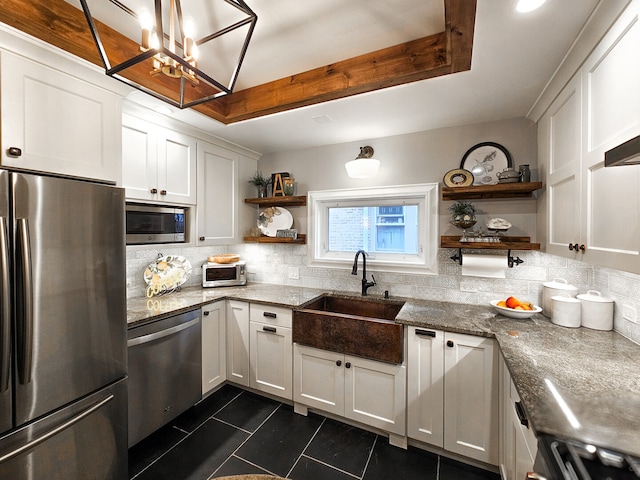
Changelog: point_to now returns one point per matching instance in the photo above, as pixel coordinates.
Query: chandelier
(158, 46)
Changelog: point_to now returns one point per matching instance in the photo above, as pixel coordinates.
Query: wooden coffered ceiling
(62, 25)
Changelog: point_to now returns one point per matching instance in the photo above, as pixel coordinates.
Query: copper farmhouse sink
(356, 326)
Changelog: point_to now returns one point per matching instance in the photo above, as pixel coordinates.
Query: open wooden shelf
(500, 190)
(285, 201)
(301, 240)
(507, 243)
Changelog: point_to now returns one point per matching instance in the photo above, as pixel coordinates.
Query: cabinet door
(271, 359)
(564, 147)
(217, 195)
(425, 389)
(60, 123)
(374, 393)
(176, 167)
(611, 196)
(238, 342)
(139, 158)
(318, 379)
(214, 351)
(471, 397)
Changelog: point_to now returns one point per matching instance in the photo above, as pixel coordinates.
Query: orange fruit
(512, 302)
(502, 303)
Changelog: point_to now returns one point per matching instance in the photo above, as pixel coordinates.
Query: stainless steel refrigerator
(63, 396)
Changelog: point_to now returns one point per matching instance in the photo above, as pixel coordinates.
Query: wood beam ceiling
(60, 24)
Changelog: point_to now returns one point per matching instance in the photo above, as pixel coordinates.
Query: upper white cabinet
(453, 392)
(57, 123)
(596, 111)
(217, 195)
(158, 164)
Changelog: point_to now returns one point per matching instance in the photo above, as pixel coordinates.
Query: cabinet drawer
(272, 315)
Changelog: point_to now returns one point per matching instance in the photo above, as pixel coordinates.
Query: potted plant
(261, 183)
(463, 214)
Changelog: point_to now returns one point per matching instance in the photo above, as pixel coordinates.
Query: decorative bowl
(224, 258)
(510, 312)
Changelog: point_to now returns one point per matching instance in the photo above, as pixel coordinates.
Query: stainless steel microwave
(154, 224)
(223, 274)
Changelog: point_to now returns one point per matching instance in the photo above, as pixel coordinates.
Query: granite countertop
(573, 382)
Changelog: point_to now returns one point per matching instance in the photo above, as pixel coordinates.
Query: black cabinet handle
(576, 247)
(347, 365)
(202, 239)
(206, 313)
(269, 314)
(522, 416)
(338, 363)
(154, 190)
(269, 329)
(163, 192)
(449, 343)
(426, 333)
(14, 152)
(582, 247)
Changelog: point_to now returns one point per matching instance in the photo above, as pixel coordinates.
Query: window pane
(388, 229)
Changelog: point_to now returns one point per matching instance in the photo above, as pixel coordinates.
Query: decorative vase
(262, 191)
(288, 184)
(464, 221)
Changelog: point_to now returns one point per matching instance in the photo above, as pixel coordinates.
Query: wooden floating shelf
(500, 190)
(285, 201)
(301, 240)
(507, 243)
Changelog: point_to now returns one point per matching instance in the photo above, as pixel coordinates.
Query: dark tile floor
(234, 431)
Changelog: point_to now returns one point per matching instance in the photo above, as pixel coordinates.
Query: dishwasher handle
(162, 333)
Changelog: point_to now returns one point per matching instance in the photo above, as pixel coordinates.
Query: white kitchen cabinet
(518, 445)
(158, 164)
(214, 351)
(60, 124)
(271, 350)
(367, 391)
(238, 342)
(425, 388)
(453, 392)
(596, 111)
(217, 195)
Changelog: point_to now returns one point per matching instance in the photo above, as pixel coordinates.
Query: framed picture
(485, 160)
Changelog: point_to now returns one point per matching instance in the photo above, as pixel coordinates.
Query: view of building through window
(384, 229)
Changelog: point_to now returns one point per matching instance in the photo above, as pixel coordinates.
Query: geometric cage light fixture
(170, 49)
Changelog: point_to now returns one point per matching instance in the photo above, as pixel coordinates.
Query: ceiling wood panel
(60, 24)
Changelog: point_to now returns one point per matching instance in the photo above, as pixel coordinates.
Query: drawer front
(271, 315)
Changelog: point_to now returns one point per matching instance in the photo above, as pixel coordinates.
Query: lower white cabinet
(238, 342)
(270, 350)
(453, 392)
(518, 443)
(367, 391)
(214, 359)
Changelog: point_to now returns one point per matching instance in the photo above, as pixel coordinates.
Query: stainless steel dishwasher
(165, 365)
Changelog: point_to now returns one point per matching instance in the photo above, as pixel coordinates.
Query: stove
(570, 459)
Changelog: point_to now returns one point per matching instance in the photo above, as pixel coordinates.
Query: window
(396, 226)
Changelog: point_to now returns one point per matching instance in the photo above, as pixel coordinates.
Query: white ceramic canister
(597, 311)
(566, 311)
(556, 287)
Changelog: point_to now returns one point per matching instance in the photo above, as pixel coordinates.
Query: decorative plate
(485, 160)
(273, 219)
(166, 274)
(458, 178)
(510, 312)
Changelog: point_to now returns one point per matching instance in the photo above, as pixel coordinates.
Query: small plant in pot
(261, 183)
(463, 214)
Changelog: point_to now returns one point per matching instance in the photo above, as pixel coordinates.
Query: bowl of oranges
(514, 308)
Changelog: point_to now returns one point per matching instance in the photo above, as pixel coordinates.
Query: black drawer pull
(269, 329)
(522, 416)
(426, 333)
(206, 313)
(450, 343)
(269, 314)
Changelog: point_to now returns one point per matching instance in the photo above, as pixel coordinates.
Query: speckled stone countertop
(576, 383)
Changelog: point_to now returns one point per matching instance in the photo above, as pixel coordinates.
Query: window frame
(425, 196)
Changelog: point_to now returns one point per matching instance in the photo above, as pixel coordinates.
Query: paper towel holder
(511, 261)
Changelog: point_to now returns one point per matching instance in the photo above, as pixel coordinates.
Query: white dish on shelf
(510, 312)
(273, 219)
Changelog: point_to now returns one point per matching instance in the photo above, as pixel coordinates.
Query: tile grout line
(306, 446)
(373, 447)
(333, 467)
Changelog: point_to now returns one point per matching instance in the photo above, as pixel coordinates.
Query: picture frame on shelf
(485, 160)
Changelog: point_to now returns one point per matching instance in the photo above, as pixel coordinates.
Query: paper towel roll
(477, 265)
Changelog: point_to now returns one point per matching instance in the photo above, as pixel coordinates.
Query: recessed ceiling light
(524, 6)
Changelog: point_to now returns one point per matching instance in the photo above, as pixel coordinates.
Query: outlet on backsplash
(629, 313)
(468, 287)
(294, 273)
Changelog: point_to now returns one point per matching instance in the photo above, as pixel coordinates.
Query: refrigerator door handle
(24, 304)
(5, 307)
(51, 433)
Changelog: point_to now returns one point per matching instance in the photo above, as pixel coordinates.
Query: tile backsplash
(287, 265)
